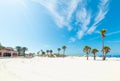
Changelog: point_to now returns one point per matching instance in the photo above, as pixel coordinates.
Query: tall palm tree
(59, 49)
(87, 50)
(18, 48)
(64, 49)
(94, 51)
(24, 49)
(105, 50)
(102, 32)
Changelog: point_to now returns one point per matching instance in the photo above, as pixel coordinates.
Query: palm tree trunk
(63, 53)
(104, 57)
(23, 53)
(47, 54)
(94, 57)
(102, 48)
(87, 56)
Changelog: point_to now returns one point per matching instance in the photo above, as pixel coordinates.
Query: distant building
(8, 52)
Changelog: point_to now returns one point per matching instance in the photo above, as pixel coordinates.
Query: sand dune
(59, 69)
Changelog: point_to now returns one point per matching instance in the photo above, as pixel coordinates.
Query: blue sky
(49, 24)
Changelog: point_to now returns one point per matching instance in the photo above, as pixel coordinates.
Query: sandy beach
(59, 69)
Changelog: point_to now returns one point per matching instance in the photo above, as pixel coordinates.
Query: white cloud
(62, 15)
(62, 12)
(72, 39)
(80, 34)
(72, 8)
(83, 18)
(103, 9)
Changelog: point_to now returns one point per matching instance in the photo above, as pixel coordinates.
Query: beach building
(8, 52)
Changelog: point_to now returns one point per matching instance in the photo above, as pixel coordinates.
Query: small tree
(59, 49)
(47, 51)
(87, 50)
(105, 50)
(64, 49)
(94, 51)
(24, 49)
(18, 48)
(38, 53)
(50, 51)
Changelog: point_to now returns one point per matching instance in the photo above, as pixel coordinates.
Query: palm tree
(50, 51)
(24, 49)
(87, 50)
(18, 48)
(94, 51)
(51, 55)
(1, 46)
(102, 32)
(41, 51)
(64, 48)
(47, 51)
(105, 50)
(38, 53)
(59, 49)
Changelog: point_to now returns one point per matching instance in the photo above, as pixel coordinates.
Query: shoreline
(67, 57)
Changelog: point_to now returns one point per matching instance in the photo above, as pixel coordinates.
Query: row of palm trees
(64, 49)
(88, 50)
(50, 52)
(105, 49)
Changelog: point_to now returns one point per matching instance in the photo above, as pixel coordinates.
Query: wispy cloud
(83, 18)
(72, 39)
(103, 10)
(62, 12)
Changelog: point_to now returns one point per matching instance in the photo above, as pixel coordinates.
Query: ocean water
(109, 56)
(99, 55)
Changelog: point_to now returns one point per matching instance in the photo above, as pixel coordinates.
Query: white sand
(59, 69)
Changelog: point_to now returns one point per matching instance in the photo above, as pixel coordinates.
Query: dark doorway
(14, 54)
(0, 54)
(7, 54)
